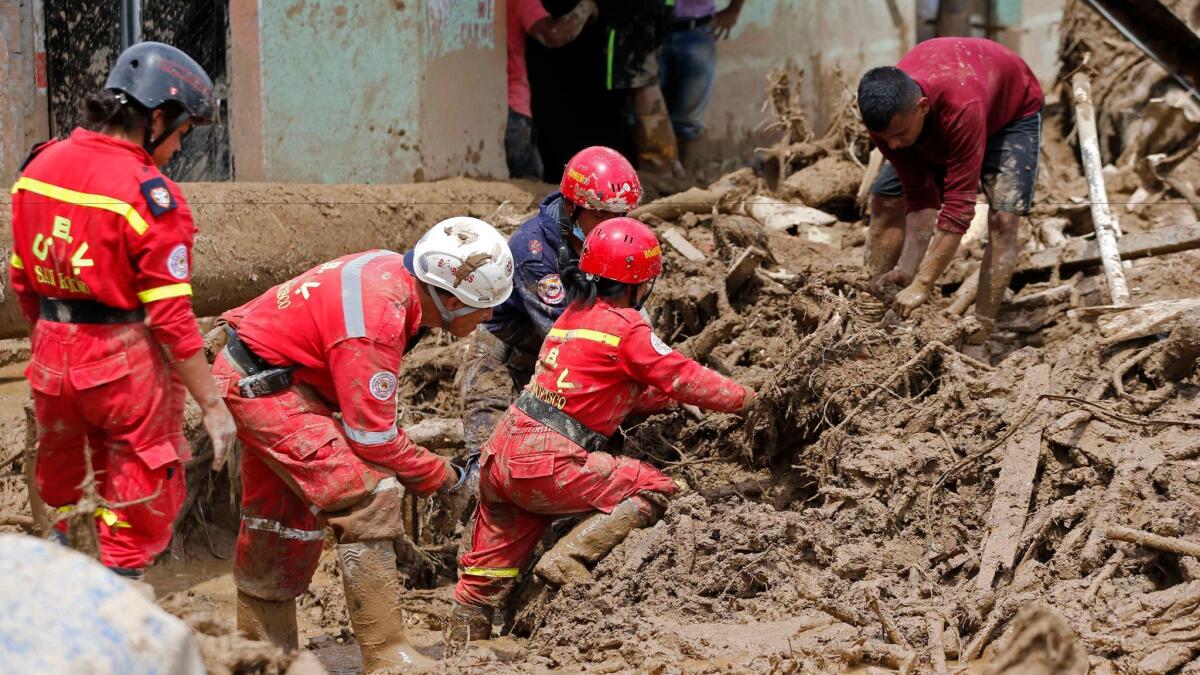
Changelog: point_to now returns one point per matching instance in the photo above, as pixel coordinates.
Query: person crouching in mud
(332, 340)
(599, 363)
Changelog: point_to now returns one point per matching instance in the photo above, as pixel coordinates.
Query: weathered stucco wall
(818, 36)
(369, 91)
(23, 106)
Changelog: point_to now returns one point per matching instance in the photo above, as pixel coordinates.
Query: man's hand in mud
(888, 286)
(909, 299)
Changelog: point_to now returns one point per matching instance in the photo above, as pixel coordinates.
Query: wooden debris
(1080, 253)
(1107, 229)
(680, 243)
(964, 296)
(436, 433)
(41, 521)
(779, 216)
(874, 164)
(889, 626)
(1104, 575)
(937, 641)
(672, 207)
(1154, 541)
(1013, 488)
(1144, 320)
(743, 268)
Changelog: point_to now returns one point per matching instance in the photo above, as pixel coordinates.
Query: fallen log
(252, 236)
(1010, 504)
(694, 200)
(1149, 319)
(1154, 541)
(680, 243)
(1081, 253)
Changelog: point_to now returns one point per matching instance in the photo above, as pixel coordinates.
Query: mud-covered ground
(891, 505)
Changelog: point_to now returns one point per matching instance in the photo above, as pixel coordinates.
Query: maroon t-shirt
(975, 88)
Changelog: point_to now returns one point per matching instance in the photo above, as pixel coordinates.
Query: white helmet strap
(447, 315)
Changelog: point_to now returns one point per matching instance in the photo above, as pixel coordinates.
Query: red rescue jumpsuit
(345, 326)
(598, 365)
(94, 220)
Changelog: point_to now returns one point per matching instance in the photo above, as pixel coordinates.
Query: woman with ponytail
(600, 362)
(102, 264)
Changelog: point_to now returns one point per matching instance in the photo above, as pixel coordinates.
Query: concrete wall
(24, 116)
(818, 36)
(367, 91)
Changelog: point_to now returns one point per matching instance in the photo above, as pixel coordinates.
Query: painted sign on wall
(451, 25)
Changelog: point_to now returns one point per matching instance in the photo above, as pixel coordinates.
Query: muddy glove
(749, 403)
(458, 498)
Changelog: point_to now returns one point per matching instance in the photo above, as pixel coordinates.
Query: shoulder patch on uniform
(382, 385)
(659, 346)
(177, 262)
(158, 195)
(550, 289)
(535, 246)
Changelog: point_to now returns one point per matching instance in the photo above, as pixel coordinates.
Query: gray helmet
(153, 73)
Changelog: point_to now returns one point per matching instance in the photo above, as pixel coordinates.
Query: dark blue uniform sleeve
(542, 293)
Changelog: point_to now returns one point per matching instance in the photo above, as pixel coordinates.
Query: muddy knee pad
(378, 516)
(275, 562)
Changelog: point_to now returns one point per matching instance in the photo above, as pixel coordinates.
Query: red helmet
(600, 179)
(622, 249)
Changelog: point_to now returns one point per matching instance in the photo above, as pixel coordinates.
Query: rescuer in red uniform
(331, 340)
(102, 265)
(600, 362)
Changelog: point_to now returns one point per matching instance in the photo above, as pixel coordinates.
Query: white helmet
(467, 257)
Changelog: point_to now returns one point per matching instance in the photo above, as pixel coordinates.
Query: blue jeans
(686, 72)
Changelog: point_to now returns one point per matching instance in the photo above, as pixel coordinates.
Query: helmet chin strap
(151, 144)
(638, 304)
(447, 315)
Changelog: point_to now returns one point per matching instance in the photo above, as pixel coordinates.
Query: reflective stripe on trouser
(111, 387)
(529, 476)
(299, 474)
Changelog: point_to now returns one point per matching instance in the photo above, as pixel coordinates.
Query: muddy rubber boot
(373, 599)
(468, 623)
(658, 153)
(268, 621)
(589, 541)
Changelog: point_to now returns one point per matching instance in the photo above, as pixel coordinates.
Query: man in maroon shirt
(954, 115)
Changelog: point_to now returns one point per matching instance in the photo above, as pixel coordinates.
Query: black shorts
(1010, 167)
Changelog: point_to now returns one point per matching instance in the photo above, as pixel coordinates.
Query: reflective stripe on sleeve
(370, 437)
(352, 297)
(494, 572)
(165, 292)
(16, 261)
(278, 528)
(585, 334)
(123, 209)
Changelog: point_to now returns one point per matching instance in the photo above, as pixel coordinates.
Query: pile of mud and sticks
(890, 504)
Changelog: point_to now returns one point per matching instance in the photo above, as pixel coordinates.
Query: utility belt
(87, 311)
(679, 25)
(567, 426)
(261, 378)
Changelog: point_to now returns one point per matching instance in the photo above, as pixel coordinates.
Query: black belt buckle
(265, 383)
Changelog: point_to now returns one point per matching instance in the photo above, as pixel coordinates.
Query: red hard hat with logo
(622, 249)
(600, 179)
